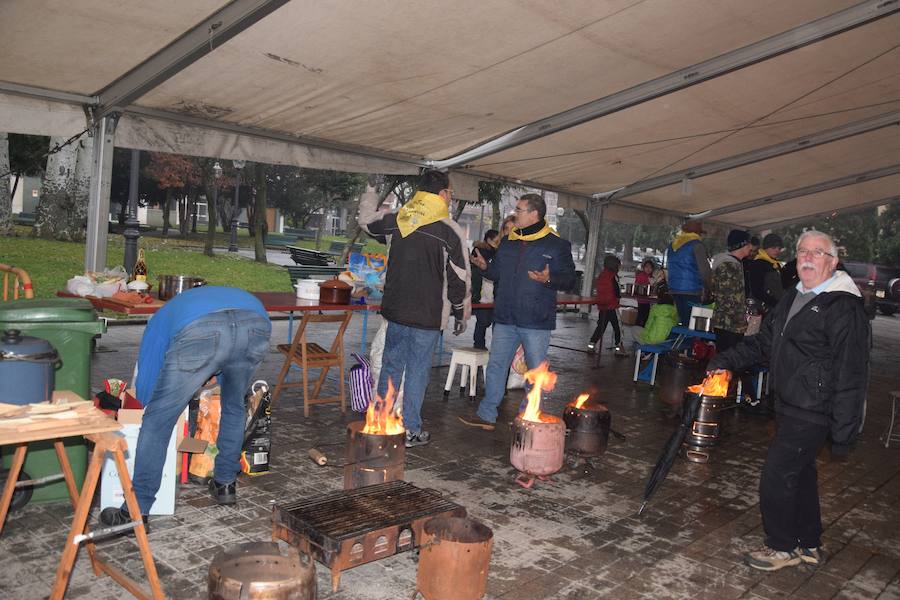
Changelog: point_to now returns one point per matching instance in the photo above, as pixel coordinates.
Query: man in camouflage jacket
(730, 315)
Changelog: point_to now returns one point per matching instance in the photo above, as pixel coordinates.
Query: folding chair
(309, 355)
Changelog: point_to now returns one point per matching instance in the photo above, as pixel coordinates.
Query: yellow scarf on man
(423, 209)
(543, 232)
(683, 238)
(763, 255)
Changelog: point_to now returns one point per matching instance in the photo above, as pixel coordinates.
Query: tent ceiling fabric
(424, 81)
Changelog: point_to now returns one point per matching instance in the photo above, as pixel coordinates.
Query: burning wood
(715, 384)
(541, 379)
(380, 416)
(580, 400)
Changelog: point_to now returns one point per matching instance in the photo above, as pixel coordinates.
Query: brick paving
(575, 537)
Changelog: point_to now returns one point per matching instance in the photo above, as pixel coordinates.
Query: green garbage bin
(70, 325)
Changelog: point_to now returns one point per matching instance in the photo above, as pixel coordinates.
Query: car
(884, 279)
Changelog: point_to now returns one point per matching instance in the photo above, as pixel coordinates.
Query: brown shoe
(476, 421)
(769, 559)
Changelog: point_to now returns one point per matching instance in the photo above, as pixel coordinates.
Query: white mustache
(807, 265)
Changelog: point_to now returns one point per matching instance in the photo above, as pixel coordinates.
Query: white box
(111, 493)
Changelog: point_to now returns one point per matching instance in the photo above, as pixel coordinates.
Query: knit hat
(737, 239)
(773, 240)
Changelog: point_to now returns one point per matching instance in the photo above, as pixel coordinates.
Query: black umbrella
(688, 413)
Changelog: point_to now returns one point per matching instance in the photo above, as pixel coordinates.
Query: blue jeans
(504, 342)
(407, 351)
(230, 344)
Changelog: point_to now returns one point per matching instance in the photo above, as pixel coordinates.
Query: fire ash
(580, 400)
(715, 384)
(541, 379)
(380, 416)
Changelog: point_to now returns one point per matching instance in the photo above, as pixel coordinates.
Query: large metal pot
(170, 285)
(27, 368)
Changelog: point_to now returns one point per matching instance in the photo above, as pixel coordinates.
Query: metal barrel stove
(373, 458)
(588, 429)
(262, 571)
(705, 429)
(538, 447)
(454, 559)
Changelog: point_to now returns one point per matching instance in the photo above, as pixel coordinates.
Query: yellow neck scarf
(683, 238)
(424, 208)
(543, 232)
(763, 255)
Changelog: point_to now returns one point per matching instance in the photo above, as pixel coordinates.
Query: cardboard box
(628, 316)
(111, 493)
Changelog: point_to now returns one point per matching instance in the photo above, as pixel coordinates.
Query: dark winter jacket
(427, 276)
(764, 280)
(817, 360)
(689, 270)
(520, 301)
(487, 253)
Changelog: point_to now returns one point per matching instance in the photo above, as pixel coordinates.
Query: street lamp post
(217, 174)
(238, 165)
(132, 225)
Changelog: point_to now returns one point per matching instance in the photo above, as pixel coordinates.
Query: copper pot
(334, 291)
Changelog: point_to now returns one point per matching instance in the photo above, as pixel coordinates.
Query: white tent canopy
(761, 112)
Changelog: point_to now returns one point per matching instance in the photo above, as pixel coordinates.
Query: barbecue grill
(348, 528)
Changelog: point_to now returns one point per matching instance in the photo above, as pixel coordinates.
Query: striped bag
(360, 384)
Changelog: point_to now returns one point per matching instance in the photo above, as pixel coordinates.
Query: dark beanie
(773, 240)
(737, 239)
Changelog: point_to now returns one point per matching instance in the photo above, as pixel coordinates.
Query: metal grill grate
(349, 513)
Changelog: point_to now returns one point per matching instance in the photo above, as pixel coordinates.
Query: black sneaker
(476, 421)
(224, 493)
(417, 439)
(112, 517)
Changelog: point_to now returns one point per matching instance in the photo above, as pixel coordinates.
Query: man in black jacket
(764, 272)
(427, 280)
(816, 343)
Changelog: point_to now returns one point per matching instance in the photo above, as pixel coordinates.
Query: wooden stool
(468, 359)
(889, 435)
(104, 441)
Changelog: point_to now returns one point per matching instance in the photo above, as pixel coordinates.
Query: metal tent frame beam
(815, 188)
(747, 158)
(819, 214)
(46, 94)
(200, 40)
(792, 39)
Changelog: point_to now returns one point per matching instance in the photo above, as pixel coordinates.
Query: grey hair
(832, 247)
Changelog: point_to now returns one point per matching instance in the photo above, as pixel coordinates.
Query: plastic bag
(516, 379)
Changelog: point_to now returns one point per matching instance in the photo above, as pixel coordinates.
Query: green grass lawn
(50, 264)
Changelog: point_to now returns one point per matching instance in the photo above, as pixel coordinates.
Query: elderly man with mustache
(816, 343)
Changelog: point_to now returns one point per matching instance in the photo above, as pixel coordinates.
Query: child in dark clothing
(608, 295)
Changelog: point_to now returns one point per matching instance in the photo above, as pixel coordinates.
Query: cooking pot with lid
(27, 368)
(334, 291)
(170, 285)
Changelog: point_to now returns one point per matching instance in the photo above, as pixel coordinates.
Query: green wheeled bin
(70, 325)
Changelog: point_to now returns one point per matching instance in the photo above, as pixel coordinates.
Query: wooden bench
(309, 257)
(278, 240)
(309, 271)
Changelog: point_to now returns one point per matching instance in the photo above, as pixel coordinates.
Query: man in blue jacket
(529, 267)
(689, 272)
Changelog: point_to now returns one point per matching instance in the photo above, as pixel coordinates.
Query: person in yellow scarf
(689, 271)
(764, 272)
(427, 280)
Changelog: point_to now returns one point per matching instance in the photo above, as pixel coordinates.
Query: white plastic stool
(468, 359)
(889, 435)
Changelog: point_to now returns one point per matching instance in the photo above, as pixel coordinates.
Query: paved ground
(575, 537)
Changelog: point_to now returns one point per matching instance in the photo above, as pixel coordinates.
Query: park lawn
(50, 264)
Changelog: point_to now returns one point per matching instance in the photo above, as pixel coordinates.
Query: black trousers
(642, 314)
(484, 317)
(607, 316)
(788, 490)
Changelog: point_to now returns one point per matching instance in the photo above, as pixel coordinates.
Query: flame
(580, 400)
(715, 384)
(380, 417)
(541, 379)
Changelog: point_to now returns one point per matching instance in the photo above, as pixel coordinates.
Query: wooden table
(99, 429)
